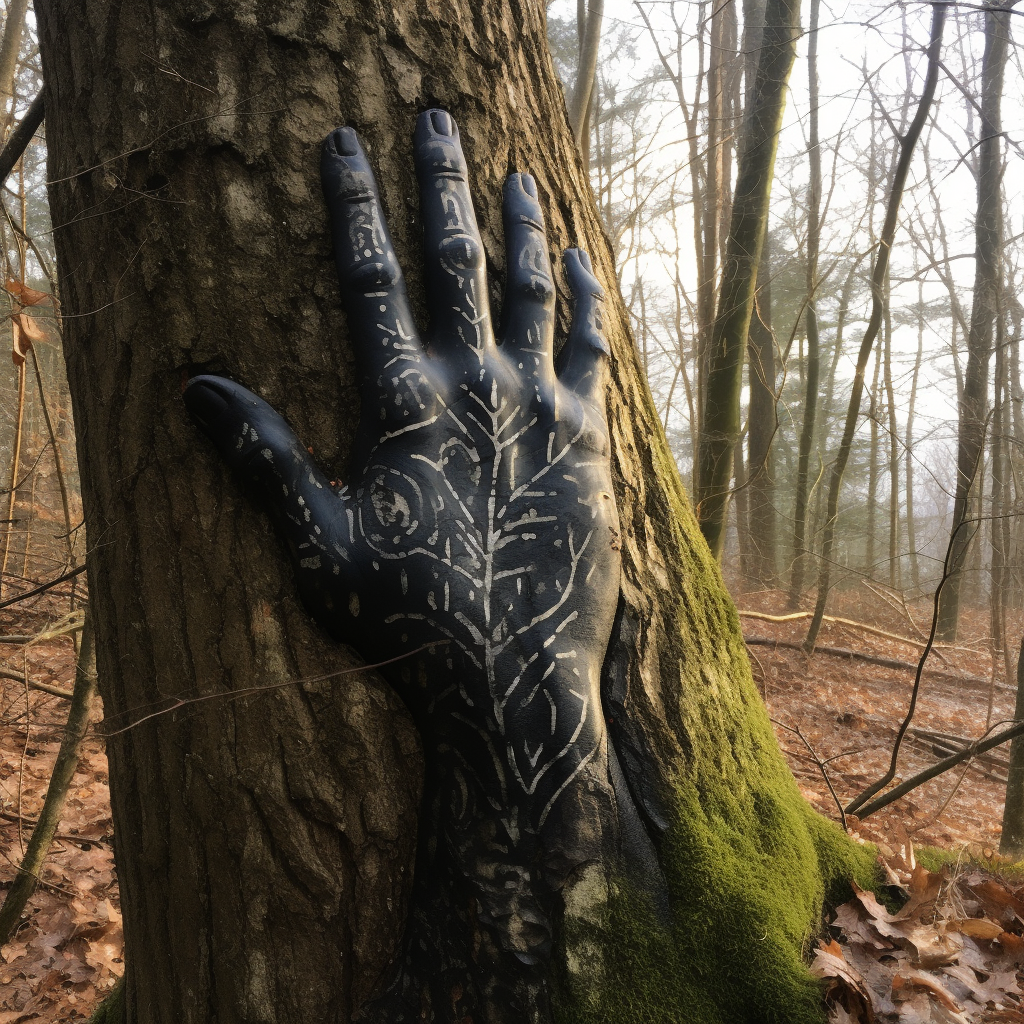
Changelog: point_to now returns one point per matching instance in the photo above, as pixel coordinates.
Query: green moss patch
(751, 870)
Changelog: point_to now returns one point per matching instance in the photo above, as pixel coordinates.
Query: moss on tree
(751, 868)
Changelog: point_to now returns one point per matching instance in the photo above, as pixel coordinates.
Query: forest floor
(68, 952)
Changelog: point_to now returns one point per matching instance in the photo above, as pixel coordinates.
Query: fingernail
(442, 122)
(529, 185)
(347, 142)
(204, 403)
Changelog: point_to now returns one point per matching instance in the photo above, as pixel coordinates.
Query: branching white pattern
(478, 534)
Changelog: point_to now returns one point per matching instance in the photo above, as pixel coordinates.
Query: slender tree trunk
(894, 452)
(265, 840)
(915, 567)
(845, 296)
(987, 275)
(12, 491)
(879, 275)
(762, 417)
(1015, 597)
(720, 425)
(1011, 844)
(75, 730)
(762, 421)
(1000, 508)
(588, 24)
(10, 47)
(810, 313)
(871, 534)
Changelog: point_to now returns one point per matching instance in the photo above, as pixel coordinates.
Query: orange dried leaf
(979, 927)
(29, 327)
(25, 295)
(19, 347)
(908, 978)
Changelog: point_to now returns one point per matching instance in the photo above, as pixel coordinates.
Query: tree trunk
(879, 276)
(762, 417)
(10, 47)
(810, 313)
(894, 449)
(720, 422)
(1011, 843)
(588, 24)
(915, 566)
(871, 528)
(987, 275)
(763, 421)
(265, 840)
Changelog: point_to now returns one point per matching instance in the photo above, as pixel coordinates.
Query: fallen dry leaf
(25, 295)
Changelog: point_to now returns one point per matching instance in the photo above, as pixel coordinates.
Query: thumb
(258, 445)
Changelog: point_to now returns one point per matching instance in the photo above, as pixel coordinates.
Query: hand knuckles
(461, 252)
(370, 277)
(537, 287)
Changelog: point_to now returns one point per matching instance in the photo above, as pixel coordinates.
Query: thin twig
(245, 691)
(976, 748)
(821, 767)
(876, 787)
(44, 587)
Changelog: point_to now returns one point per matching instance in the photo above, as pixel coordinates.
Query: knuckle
(442, 156)
(536, 287)
(370, 277)
(461, 252)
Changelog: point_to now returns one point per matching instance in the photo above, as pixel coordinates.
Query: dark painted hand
(479, 516)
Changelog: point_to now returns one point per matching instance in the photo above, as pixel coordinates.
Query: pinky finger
(583, 361)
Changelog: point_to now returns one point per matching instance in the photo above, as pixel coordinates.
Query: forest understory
(67, 953)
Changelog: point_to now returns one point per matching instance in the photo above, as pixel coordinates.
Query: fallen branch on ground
(976, 748)
(852, 624)
(56, 691)
(875, 659)
(43, 588)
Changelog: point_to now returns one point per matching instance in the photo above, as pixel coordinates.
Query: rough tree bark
(265, 840)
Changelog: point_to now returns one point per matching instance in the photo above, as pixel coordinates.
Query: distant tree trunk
(988, 235)
(813, 365)
(762, 416)
(879, 275)
(265, 840)
(744, 538)
(1000, 506)
(894, 453)
(589, 16)
(1011, 844)
(915, 566)
(720, 423)
(10, 47)
(762, 422)
(1015, 551)
(828, 401)
(871, 533)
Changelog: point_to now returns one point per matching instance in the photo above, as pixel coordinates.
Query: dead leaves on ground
(54, 965)
(953, 954)
(67, 953)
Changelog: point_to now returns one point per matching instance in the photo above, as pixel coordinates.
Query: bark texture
(265, 841)
(720, 421)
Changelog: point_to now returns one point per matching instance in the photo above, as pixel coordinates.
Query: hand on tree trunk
(477, 534)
